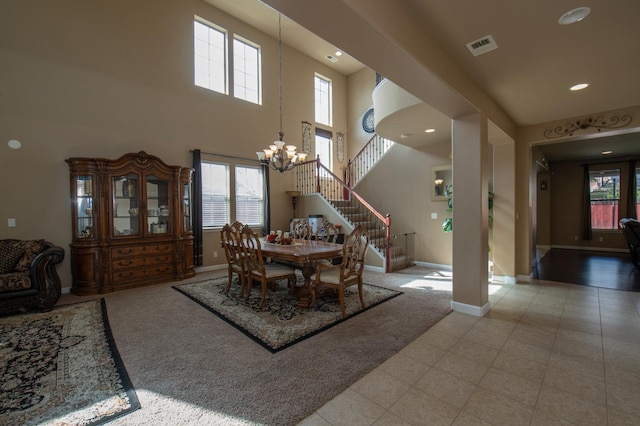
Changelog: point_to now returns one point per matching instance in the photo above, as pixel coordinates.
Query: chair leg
(230, 281)
(341, 297)
(361, 293)
(249, 286)
(264, 293)
(242, 279)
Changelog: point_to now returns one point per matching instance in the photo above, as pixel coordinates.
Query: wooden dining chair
(302, 230)
(230, 240)
(347, 273)
(258, 270)
(327, 232)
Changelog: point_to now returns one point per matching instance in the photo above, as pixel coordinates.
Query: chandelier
(280, 156)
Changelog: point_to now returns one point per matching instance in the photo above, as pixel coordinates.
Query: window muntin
(210, 57)
(604, 194)
(324, 148)
(246, 71)
(249, 195)
(215, 195)
(323, 100)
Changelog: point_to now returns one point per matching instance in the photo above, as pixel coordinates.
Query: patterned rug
(62, 368)
(280, 323)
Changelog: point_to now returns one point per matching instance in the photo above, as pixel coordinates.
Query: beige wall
(105, 78)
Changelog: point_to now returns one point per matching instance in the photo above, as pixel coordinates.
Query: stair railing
(368, 156)
(313, 177)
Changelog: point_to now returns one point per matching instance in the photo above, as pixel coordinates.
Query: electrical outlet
(11, 222)
(434, 215)
(215, 254)
(601, 239)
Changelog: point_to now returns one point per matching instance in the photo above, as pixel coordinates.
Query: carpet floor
(190, 367)
(62, 368)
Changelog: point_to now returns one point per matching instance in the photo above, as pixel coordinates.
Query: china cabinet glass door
(84, 206)
(158, 205)
(186, 205)
(126, 202)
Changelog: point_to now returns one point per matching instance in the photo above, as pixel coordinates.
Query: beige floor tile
(314, 420)
(589, 388)
(390, 419)
(582, 349)
(381, 388)
(620, 418)
(511, 386)
(438, 339)
(496, 409)
(422, 351)
(503, 313)
(542, 419)
(527, 350)
(556, 403)
(350, 408)
(451, 327)
(531, 335)
(487, 338)
(495, 326)
(466, 419)
(404, 368)
(573, 364)
(462, 367)
(579, 336)
(520, 366)
(419, 408)
(446, 387)
(623, 392)
(475, 351)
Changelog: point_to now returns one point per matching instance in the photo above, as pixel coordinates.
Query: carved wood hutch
(131, 223)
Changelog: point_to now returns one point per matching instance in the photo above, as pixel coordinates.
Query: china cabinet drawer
(141, 273)
(147, 250)
(136, 262)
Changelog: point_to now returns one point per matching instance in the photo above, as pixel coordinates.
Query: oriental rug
(280, 323)
(62, 368)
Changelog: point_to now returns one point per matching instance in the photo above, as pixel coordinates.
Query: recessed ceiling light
(406, 135)
(430, 130)
(607, 152)
(580, 86)
(14, 144)
(338, 53)
(575, 15)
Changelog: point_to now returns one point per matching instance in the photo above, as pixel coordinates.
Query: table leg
(304, 293)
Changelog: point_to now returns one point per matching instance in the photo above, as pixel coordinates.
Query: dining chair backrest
(231, 244)
(354, 250)
(327, 232)
(252, 250)
(302, 230)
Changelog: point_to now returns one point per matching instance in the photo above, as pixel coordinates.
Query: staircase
(314, 178)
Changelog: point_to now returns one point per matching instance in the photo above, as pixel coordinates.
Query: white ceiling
(530, 72)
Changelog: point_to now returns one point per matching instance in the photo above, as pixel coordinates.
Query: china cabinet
(131, 223)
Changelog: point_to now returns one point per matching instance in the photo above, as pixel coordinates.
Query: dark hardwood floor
(591, 268)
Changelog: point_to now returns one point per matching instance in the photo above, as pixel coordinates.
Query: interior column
(470, 214)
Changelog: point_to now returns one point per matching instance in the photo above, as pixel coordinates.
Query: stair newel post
(387, 254)
(318, 175)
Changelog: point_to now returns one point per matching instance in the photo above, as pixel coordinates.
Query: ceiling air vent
(331, 58)
(482, 45)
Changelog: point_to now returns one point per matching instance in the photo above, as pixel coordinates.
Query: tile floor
(546, 354)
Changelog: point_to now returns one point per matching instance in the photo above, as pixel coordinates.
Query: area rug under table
(62, 368)
(280, 323)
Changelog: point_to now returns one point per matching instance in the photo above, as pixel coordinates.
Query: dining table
(302, 254)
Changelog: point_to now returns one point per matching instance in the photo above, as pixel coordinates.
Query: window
(215, 195)
(210, 57)
(246, 71)
(249, 195)
(604, 194)
(324, 147)
(323, 100)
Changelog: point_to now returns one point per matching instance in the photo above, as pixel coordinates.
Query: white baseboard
(478, 311)
(433, 265)
(504, 279)
(524, 278)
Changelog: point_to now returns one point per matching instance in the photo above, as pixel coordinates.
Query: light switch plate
(11, 222)
(434, 215)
